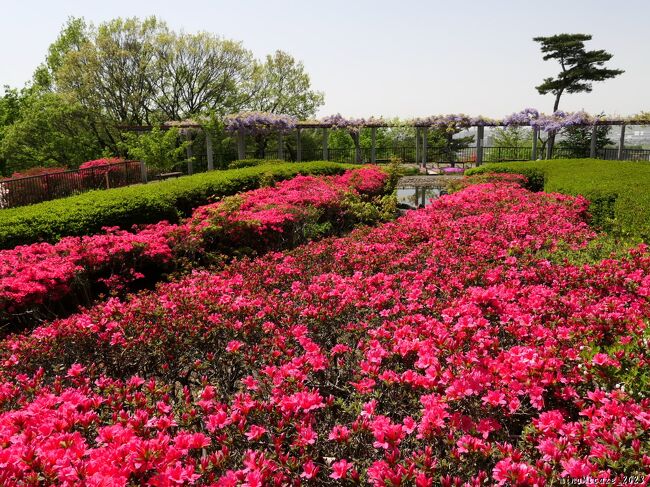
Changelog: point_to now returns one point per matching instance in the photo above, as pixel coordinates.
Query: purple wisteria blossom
(524, 117)
(260, 122)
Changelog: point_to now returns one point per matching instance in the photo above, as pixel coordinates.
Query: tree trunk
(556, 105)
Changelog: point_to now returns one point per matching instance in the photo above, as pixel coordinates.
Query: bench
(168, 175)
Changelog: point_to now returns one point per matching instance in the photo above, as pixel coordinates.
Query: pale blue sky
(393, 58)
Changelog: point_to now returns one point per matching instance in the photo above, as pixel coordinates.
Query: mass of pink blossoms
(444, 348)
(38, 275)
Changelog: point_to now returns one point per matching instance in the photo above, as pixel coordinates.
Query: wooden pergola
(420, 138)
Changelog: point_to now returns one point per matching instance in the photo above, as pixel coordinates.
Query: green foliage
(395, 171)
(380, 209)
(158, 149)
(50, 130)
(281, 85)
(578, 139)
(619, 191)
(72, 37)
(513, 136)
(253, 162)
(167, 200)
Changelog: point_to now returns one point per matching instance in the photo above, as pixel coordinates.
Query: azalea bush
(57, 277)
(442, 348)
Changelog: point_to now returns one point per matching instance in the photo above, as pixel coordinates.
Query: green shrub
(166, 200)
(619, 191)
(253, 162)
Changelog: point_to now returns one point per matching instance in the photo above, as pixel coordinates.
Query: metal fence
(34, 189)
(407, 154)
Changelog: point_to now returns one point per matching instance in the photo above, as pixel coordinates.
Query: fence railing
(407, 154)
(34, 189)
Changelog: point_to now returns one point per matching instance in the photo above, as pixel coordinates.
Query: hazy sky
(393, 58)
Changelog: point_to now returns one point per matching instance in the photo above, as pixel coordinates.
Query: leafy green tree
(139, 72)
(199, 73)
(281, 85)
(513, 137)
(112, 72)
(159, 149)
(10, 107)
(51, 130)
(580, 68)
(73, 36)
(576, 141)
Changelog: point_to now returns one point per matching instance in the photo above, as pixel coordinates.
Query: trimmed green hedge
(619, 191)
(253, 162)
(170, 200)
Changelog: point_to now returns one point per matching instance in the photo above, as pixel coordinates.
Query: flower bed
(77, 268)
(438, 349)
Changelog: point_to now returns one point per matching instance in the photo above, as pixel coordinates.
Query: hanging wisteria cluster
(352, 124)
(524, 117)
(552, 123)
(260, 122)
(452, 122)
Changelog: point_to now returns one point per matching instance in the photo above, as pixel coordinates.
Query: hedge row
(619, 191)
(169, 200)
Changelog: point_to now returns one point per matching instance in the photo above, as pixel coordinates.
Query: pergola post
(425, 132)
(357, 149)
(373, 145)
(621, 144)
(298, 146)
(326, 138)
(188, 151)
(143, 172)
(479, 144)
(594, 136)
(417, 145)
(549, 146)
(533, 154)
(208, 149)
(281, 146)
(241, 145)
